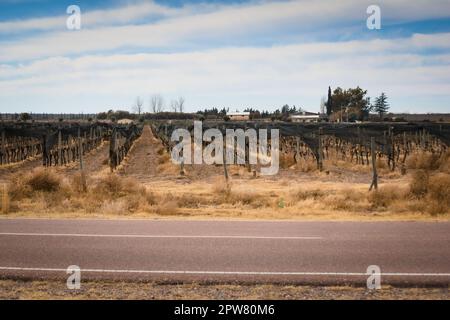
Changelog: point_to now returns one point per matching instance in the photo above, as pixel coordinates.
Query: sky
(234, 54)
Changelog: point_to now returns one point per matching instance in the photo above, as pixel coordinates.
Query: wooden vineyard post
(182, 166)
(392, 148)
(247, 154)
(405, 153)
(422, 138)
(59, 148)
(320, 159)
(69, 151)
(116, 150)
(374, 183)
(80, 149)
(3, 159)
(113, 150)
(297, 149)
(80, 152)
(225, 171)
(44, 151)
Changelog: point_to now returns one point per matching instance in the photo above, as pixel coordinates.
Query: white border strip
(153, 236)
(234, 272)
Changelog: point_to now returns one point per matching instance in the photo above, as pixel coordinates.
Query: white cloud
(90, 19)
(84, 71)
(197, 25)
(260, 77)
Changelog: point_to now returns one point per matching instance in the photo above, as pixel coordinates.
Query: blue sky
(261, 54)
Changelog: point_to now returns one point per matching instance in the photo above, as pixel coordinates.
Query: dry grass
(286, 160)
(418, 186)
(346, 199)
(79, 182)
(5, 199)
(429, 161)
(226, 193)
(165, 164)
(430, 185)
(304, 194)
(115, 185)
(221, 186)
(161, 150)
(46, 190)
(438, 195)
(422, 194)
(110, 289)
(385, 196)
(167, 207)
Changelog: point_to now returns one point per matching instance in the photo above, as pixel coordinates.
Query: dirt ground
(20, 289)
(141, 162)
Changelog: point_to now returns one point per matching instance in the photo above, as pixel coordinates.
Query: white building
(305, 117)
(239, 116)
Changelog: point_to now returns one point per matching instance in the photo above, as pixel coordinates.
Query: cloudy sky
(235, 54)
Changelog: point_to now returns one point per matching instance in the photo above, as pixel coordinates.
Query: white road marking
(153, 236)
(269, 273)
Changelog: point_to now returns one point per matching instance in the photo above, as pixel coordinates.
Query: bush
(286, 160)
(439, 188)
(384, 197)
(40, 179)
(115, 185)
(110, 184)
(418, 186)
(438, 193)
(43, 179)
(424, 161)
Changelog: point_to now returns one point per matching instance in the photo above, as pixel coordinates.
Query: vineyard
(355, 143)
(127, 169)
(58, 145)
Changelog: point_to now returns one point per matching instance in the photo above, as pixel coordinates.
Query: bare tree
(174, 105)
(157, 103)
(323, 104)
(180, 104)
(137, 108)
(153, 103)
(160, 106)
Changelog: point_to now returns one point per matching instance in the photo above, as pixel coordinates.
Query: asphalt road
(410, 253)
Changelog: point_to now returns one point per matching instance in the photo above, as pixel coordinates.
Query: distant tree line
(122, 114)
(342, 104)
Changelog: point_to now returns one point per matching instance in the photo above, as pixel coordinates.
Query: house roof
(238, 113)
(305, 115)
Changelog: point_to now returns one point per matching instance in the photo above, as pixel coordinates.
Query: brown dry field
(148, 185)
(41, 290)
